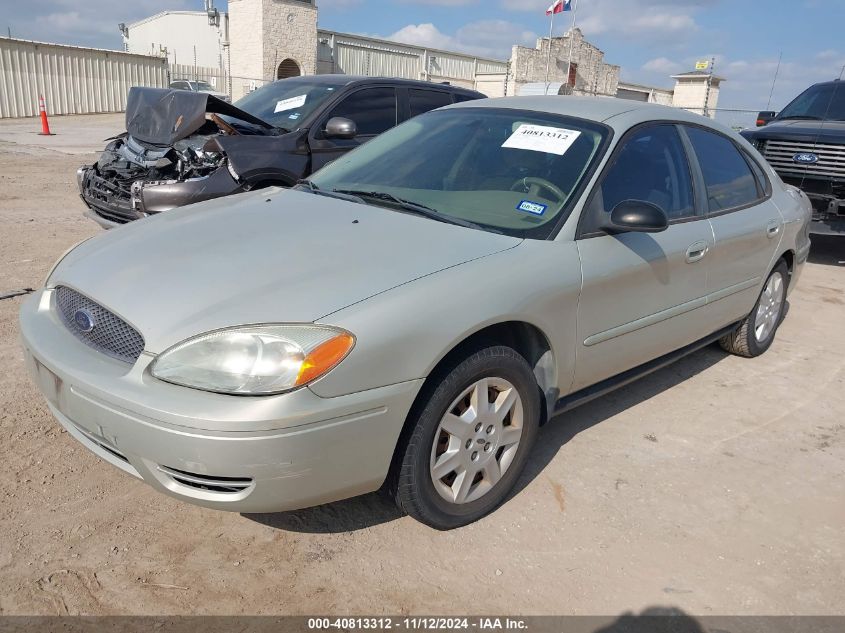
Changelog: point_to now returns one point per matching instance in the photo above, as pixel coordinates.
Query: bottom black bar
(650, 621)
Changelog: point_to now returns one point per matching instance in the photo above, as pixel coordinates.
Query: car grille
(110, 335)
(211, 483)
(831, 162)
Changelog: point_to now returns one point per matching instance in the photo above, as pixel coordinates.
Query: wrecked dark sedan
(182, 147)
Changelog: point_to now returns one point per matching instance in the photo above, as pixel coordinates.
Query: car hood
(799, 130)
(161, 116)
(271, 256)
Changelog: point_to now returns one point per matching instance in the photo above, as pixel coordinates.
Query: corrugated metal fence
(361, 55)
(73, 80)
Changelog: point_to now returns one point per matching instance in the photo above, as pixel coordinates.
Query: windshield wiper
(414, 207)
(311, 187)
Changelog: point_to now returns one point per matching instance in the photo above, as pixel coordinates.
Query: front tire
(470, 440)
(757, 331)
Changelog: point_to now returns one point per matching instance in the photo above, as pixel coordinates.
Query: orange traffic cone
(45, 125)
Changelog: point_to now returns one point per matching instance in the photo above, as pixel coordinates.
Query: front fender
(402, 334)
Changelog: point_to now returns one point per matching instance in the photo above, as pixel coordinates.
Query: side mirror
(338, 127)
(636, 216)
(764, 118)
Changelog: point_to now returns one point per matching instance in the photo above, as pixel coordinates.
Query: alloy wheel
(477, 440)
(769, 308)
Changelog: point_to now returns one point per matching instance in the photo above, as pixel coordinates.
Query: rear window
(727, 176)
(422, 101)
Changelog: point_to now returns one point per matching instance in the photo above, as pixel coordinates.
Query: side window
(727, 176)
(424, 100)
(762, 181)
(651, 166)
(460, 98)
(372, 109)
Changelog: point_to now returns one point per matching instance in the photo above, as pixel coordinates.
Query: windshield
(512, 171)
(201, 86)
(821, 102)
(284, 103)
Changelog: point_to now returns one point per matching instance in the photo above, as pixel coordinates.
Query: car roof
(615, 112)
(345, 80)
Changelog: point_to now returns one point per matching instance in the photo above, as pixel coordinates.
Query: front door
(642, 293)
(374, 110)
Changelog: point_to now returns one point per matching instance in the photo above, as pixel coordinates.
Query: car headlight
(232, 171)
(254, 360)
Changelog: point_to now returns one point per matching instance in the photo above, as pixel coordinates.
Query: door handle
(773, 229)
(697, 251)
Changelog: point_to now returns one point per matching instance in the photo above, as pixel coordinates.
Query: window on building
(573, 75)
(372, 109)
(651, 166)
(422, 101)
(727, 176)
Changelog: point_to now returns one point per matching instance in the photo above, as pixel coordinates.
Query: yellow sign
(702, 65)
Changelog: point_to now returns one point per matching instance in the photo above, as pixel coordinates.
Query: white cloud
(669, 19)
(663, 65)
(441, 3)
(486, 38)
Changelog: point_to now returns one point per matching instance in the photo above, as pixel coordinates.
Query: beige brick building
(271, 39)
(263, 40)
(588, 75)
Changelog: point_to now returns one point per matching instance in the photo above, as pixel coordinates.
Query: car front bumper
(243, 454)
(109, 207)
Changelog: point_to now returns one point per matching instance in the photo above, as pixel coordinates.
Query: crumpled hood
(161, 116)
(271, 256)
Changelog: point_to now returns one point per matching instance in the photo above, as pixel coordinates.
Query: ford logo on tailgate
(806, 158)
(84, 321)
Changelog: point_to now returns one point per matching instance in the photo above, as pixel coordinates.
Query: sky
(649, 39)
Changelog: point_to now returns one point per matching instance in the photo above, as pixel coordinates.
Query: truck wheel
(470, 440)
(757, 331)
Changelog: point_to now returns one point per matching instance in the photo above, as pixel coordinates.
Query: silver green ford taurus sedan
(410, 316)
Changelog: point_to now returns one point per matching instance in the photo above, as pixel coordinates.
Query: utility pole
(709, 84)
(571, 44)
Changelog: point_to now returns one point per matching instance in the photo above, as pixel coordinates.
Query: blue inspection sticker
(534, 208)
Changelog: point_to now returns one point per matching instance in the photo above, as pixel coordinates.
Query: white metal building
(183, 37)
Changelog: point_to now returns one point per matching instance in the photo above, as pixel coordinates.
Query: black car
(805, 143)
(183, 146)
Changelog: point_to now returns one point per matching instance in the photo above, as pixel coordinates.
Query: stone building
(271, 39)
(263, 40)
(588, 74)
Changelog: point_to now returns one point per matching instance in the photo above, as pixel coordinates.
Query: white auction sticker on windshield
(540, 138)
(290, 104)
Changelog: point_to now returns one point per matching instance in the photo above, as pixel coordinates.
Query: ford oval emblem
(84, 321)
(806, 158)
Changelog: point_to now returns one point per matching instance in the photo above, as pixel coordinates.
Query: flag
(559, 6)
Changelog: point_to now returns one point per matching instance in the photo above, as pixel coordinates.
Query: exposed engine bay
(126, 163)
(169, 156)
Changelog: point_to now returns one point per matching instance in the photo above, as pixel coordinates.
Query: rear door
(373, 109)
(642, 294)
(421, 101)
(747, 225)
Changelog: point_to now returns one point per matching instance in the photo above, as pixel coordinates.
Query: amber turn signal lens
(324, 357)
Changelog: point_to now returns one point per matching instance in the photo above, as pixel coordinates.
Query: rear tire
(757, 331)
(470, 440)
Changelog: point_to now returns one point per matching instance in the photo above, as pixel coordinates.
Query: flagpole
(571, 43)
(549, 53)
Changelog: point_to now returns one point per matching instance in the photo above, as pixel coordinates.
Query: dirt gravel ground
(716, 486)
